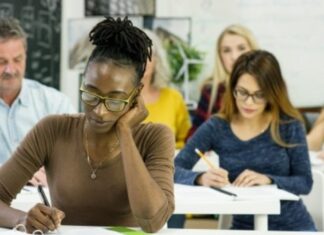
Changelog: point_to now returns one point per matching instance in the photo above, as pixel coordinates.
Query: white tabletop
(198, 200)
(86, 230)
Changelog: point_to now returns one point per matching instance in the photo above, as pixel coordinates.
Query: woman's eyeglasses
(111, 104)
(243, 95)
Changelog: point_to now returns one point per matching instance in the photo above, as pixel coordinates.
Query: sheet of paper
(261, 192)
(315, 161)
(88, 231)
(199, 193)
(188, 193)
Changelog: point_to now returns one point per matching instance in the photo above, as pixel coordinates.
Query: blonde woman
(232, 42)
(165, 105)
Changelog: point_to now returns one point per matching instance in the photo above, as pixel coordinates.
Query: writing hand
(250, 178)
(214, 177)
(43, 218)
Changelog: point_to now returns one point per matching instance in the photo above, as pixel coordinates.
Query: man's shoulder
(36, 86)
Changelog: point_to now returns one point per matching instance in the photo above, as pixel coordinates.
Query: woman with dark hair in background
(260, 140)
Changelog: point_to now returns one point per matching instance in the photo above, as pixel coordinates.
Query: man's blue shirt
(34, 102)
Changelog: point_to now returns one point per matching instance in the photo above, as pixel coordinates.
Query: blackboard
(41, 19)
(119, 7)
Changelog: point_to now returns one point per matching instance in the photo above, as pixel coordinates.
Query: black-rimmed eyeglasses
(243, 95)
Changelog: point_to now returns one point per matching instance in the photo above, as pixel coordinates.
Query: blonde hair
(219, 73)
(162, 71)
(264, 67)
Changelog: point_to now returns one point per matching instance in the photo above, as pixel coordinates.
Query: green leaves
(191, 61)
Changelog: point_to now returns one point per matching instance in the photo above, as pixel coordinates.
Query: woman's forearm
(143, 191)
(149, 183)
(10, 217)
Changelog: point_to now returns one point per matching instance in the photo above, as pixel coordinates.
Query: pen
(224, 191)
(200, 154)
(43, 196)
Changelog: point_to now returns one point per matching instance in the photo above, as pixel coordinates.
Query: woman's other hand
(213, 177)
(250, 178)
(135, 115)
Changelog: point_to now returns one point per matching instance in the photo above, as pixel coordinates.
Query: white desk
(84, 230)
(197, 201)
(201, 200)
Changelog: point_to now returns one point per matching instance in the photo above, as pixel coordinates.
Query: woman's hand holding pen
(250, 178)
(43, 218)
(215, 177)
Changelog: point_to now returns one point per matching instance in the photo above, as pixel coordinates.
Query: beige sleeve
(158, 158)
(29, 156)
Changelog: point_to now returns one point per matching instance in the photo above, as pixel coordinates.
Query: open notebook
(186, 192)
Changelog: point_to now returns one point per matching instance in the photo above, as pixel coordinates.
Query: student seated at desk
(260, 140)
(23, 102)
(315, 138)
(103, 167)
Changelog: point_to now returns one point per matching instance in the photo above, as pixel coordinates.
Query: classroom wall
(71, 9)
(291, 29)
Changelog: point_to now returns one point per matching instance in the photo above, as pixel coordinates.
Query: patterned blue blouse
(288, 168)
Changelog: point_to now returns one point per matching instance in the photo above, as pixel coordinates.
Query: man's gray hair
(10, 28)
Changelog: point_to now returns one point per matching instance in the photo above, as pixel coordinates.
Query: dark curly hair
(122, 42)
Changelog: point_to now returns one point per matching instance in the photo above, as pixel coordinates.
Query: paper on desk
(202, 194)
(198, 194)
(103, 231)
(12, 232)
(87, 231)
(261, 192)
(314, 159)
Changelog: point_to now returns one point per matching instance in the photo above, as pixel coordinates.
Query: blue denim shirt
(289, 168)
(34, 102)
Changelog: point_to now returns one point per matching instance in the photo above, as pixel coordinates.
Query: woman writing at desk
(103, 167)
(260, 140)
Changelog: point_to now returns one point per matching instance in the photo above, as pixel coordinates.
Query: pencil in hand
(200, 154)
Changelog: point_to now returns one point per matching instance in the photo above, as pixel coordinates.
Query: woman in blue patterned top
(260, 140)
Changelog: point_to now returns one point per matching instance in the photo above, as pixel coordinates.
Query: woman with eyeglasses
(260, 140)
(103, 167)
